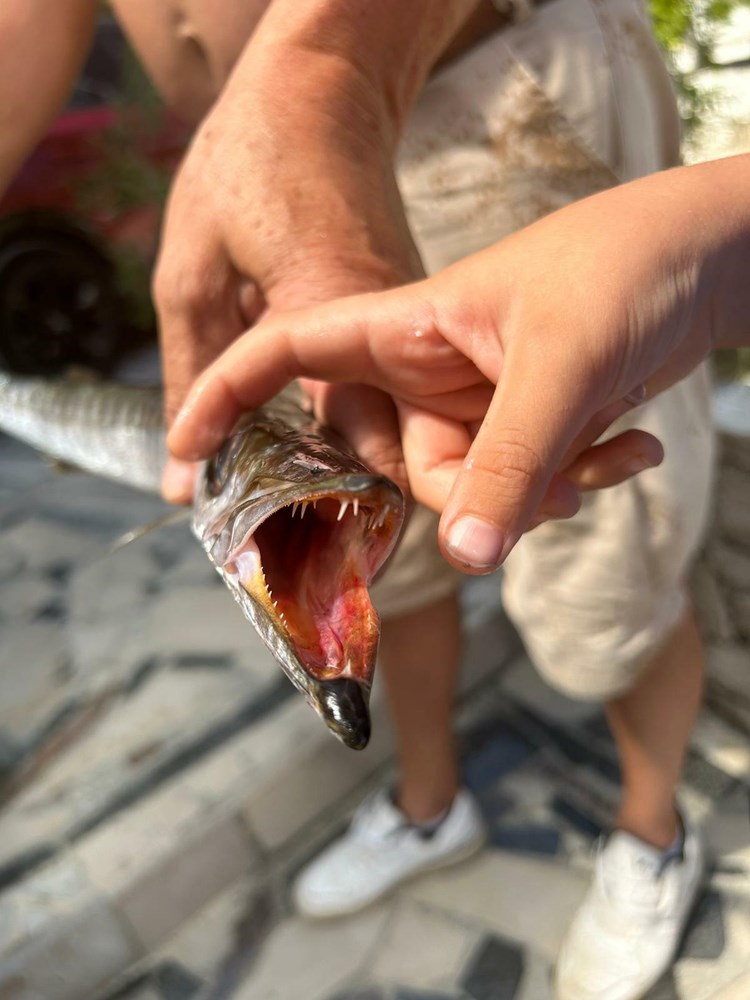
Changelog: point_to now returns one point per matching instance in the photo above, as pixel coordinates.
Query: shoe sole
(446, 861)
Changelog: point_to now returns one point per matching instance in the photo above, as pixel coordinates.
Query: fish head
(298, 528)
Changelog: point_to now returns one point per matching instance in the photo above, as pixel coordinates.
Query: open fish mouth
(306, 565)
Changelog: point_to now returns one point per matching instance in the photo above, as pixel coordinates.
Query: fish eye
(217, 470)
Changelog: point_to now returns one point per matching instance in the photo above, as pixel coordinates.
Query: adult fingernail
(475, 542)
(177, 481)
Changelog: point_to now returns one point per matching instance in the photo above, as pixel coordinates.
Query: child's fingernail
(475, 542)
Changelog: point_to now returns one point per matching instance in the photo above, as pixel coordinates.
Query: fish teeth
(342, 509)
(294, 508)
(304, 508)
(355, 504)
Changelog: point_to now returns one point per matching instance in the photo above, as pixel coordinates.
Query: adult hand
(568, 320)
(254, 224)
(287, 195)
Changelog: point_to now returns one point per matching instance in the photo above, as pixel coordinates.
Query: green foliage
(691, 25)
(673, 21)
(691, 22)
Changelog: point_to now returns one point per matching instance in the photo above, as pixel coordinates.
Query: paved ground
(489, 929)
(156, 767)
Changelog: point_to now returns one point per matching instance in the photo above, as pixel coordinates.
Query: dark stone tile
(501, 752)
(574, 745)
(54, 610)
(174, 982)
(705, 937)
(494, 971)
(573, 815)
(706, 778)
(737, 799)
(496, 802)
(598, 727)
(665, 989)
(368, 993)
(59, 572)
(142, 673)
(14, 870)
(409, 994)
(132, 987)
(527, 839)
(203, 661)
(247, 713)
(166, 554)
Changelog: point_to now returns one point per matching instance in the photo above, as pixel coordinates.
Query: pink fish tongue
(333, 594)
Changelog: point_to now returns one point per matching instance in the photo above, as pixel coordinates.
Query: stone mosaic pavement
(489, 929)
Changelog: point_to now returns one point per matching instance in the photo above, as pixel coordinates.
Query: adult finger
(194, 329)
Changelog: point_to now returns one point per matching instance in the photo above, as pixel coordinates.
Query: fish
(291, 519)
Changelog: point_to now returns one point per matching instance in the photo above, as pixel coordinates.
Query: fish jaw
(299, 562)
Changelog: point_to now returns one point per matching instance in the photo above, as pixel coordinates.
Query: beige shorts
(568, 103)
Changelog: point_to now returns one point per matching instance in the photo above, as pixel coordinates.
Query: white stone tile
(738, 989)
(307, 772)
(200, 619)
(721, 745)
(33, 905)
(420, 948)
(209, 938)
(308, 961)
(727, 838)
(199, 868)
(536, 982)
(526, 899)
(74, 963)
(23, 596)
(31, 660)
(75, 953)
(45, 544)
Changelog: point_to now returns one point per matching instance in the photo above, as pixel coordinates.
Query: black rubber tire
(58, 302)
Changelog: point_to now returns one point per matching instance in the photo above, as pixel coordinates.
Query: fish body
(114, 431)
(294, 523)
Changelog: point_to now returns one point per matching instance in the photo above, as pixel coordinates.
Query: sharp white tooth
(342, 509)
(355, 504)
(304, 508)
(294, 508)
(276, 604)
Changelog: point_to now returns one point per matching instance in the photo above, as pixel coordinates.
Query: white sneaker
(382, 849)
(626, 933)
